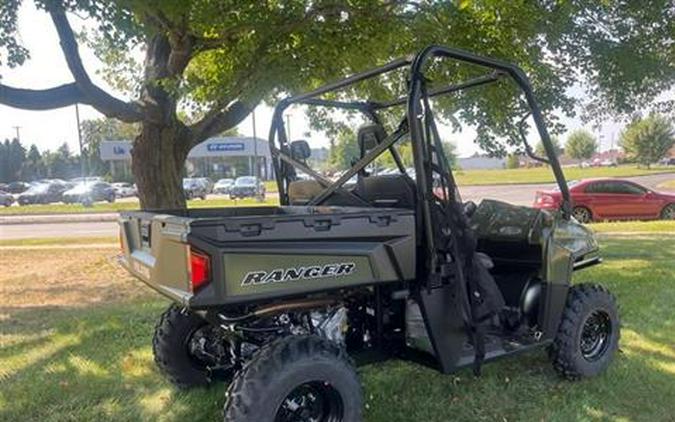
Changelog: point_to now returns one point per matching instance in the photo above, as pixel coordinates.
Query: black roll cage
(418, 123)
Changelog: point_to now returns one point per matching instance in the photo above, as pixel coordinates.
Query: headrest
(370, 135)
(300, 150)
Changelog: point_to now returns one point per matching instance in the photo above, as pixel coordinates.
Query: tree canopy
(581, 145)
(648, 140)
(541, 151)
(208, 64)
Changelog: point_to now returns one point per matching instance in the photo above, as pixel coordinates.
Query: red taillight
(200, 270)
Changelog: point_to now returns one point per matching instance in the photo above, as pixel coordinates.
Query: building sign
(225, 146)
(213, 147)
(115, 150)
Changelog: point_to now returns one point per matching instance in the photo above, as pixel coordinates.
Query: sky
(49, 129)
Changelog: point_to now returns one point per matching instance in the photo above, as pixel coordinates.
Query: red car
(611, 199)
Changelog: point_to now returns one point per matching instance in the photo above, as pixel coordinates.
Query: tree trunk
(158, 158)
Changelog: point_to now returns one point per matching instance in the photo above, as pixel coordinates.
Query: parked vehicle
(123, 189)
(208, 183)
(6, 198)
(17, 187)
(195, 188)
(42, 193)
(275, 299)
(222, 186)
(78, 180)
(611, 199)
(90, 192)
(668, 161)
(247, 187)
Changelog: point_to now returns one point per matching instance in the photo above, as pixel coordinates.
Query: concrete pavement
(83, 225)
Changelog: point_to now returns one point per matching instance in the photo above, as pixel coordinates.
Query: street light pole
(255, 154)
(79, 139)
(18, 135)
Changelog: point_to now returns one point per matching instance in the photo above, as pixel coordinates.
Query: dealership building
(216, 157)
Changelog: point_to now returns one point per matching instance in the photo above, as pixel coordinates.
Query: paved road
(86, 229)
(515, 194)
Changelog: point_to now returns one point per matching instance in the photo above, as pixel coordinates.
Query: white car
(222, 186)
(124, 190)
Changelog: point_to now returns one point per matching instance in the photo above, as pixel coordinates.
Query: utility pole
(18, 134)
(79, 139)
(255, 155)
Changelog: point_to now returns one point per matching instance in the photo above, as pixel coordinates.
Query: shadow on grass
(92, 364)
(96, 364)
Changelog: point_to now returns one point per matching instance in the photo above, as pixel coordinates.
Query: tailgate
(155, 250)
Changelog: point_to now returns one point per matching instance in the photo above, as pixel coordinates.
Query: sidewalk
(58, 218)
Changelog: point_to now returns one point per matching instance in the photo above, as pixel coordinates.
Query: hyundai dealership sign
(213, 147)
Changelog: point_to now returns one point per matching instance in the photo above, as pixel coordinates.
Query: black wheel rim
(669, 213)
(595, 335)
(315, 401)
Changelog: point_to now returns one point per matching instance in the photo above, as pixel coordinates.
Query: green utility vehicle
(281, 302)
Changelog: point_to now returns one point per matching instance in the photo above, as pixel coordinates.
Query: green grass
(655, 226)
(669, 185)
(58, 241)
(122, 206)
(75, 337)
(545, 175)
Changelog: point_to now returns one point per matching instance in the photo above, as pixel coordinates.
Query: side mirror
(300, 150)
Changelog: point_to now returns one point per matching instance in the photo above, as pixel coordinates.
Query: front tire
(582, 215)
(174, 346)
(296, 378)
(668, 212)
(588, 336)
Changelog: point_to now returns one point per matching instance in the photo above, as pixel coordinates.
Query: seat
(387, 191)
(300, 192)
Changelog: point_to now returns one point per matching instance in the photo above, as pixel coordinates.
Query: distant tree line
(19, 163)
(645, 140)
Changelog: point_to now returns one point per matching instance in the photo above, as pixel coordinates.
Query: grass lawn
(545, 175)
(669, 185)
(75, 335)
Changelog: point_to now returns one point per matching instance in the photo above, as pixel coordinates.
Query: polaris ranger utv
(280, 301)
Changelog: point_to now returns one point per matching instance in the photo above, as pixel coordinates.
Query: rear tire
(582, 215)
(170, 348)
(296, 378)
(588, 336)
(668, 212)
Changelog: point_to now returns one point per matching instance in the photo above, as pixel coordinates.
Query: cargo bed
(262, 253)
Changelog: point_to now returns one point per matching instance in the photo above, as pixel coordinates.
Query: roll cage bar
(418, 123)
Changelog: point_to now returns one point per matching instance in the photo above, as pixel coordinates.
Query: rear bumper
(142, 272)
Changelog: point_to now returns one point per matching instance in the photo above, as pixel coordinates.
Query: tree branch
(98, 98)
(217, 120)
(43, 99)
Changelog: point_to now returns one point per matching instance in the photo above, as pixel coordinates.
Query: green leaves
(12, 54)
(648, 140)
(581, 145)
(622, 52)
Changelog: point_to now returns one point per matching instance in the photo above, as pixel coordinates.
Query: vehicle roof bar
(481, 80)
(517, 74)
(357, 77)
